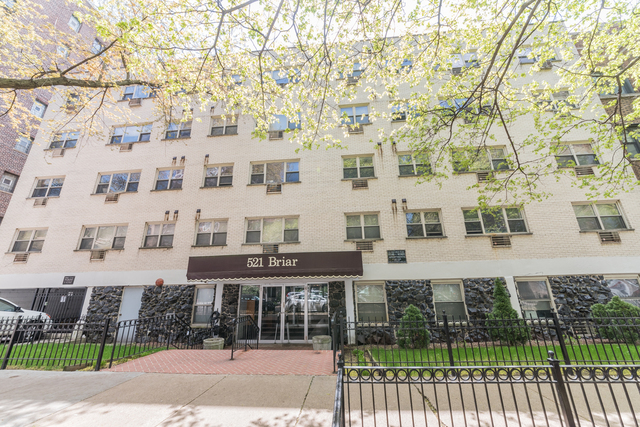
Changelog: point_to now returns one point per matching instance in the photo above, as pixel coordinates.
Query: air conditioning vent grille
(351, 80)
(126, 147)
(364, 246)
(98, 255)
(355, 129)
(40, 202)
(135, 102)
(270, 249)
(274, 188)
(58, 152)
(546, 65)
(483, 176)
(276, 134)
(609, 237)
(501, 241)
(112, 198)
(359, 184)
(584, 171)
(21, 258)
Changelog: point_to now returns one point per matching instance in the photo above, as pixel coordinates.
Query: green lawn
(52, 356)
(505, 355)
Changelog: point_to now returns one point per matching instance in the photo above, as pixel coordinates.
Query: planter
(213, 343)
(321, 342)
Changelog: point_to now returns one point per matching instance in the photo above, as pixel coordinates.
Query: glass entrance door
(318, 310)
(294, 318)
(271, 324)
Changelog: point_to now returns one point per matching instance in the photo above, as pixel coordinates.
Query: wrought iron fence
(245, 333)
(462, 342)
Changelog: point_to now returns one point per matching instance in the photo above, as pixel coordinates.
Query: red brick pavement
(252, 362)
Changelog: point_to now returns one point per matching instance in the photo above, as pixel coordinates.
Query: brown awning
(275, 266)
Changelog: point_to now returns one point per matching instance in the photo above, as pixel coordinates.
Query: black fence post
(115, 342)
(446, 334)
(561, 388)
(233, 335)
(102, 344)
(563, 345)
(12, 341)
(342, 327)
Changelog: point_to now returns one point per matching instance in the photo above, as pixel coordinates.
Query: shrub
(504, 323)
(626, 330)
(413, 332)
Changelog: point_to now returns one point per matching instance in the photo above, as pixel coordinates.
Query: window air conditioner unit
(58, 152)
(456, 70)
(355, 129)
(364, 246)
(136, 102)
(21, 258)
(40, 202)
(98, 255)
(501, 241)
(112, 198)
(274, 188)
(483, 176)
(609, 237)
(270, 249)
(352, 80)
(276, 134)
(583, 171)
(358, 184)
(546, 65)
(126, 147)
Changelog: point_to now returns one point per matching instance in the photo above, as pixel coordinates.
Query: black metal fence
(44, 344)
(245, 333)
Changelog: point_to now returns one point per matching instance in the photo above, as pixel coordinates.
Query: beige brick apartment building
(245, 226)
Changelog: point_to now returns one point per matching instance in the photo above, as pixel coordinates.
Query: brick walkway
(252, 362)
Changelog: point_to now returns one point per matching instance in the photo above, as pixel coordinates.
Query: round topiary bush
(613, 328)
(413, 332)
(504, 324)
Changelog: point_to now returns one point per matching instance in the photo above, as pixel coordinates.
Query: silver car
(35, 323)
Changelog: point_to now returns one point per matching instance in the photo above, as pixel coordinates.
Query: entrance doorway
(287, 313)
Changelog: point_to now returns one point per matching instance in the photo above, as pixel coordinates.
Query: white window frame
(108, 183)
(62, 50)
(572, 153)
(437, 312)
(491, 158)
(228, 124)
(635, 300)
(75, 24)
(358, 283)
(137, 92)
(261, 230)
(196, 304)
(213, 233)
(505, 218)
(353, 119)
(285, 165)
(358, 168)
(523, 54)
(169, 180)
(618, 206)
(65, 139)
(92, 236)
(520, 299)
(161, 233)
(181, 130)
(96, 46)
(23, 144)
(423, 223)
(31, 240)
(219, 175)
(414, 165)
(13, 178)
(38, 108)
(362, 226)
(47, 187)
(143, 130)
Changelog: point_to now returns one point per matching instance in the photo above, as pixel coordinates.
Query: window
(96, 46)
(274, 173)
(371, 302)
(8, 4)
(75, 24)
(62, 50)
(118, 182)
(65, 140)
(482, 159)
(627, 289)
(535, 298)
(203, 305)
(38, 108)
(29, 240)
(554, 101)
(282, 123)
(169, 179)
(211, 233)
(126, 134)
(357, 71)
(237, 79)
(401, 112)
(102, 238)
(226, 126)
(282, 78)
(363, 225)
(179, 130)
(599, 216)
(23, 144)
(456, 105)
(571, 155)
(358, 167)
(272, 230)
(47, 187)
(414, 164)
(354, 115)
(137, 92)
(159, 235)
(632, 142)
(218, 176)
(449, 297)
(424, 224)
(494, 220)
(625, 88)
(463, 60)
(525, 55)
(8, 182)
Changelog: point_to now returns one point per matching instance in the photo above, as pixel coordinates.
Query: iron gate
(62, 304)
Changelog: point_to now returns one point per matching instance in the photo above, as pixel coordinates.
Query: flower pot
(213, 343)
(322, 342)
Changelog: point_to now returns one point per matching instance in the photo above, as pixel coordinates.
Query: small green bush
(626, 330)
(504, 323)
(413, 332)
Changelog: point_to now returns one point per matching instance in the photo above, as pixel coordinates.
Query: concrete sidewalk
(95, 399)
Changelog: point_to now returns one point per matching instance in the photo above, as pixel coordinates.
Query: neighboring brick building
(15, 144)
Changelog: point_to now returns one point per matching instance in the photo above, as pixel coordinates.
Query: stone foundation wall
(162, 300)
(105, 302)
(229, 305)
(478, 296)
(401, 293)
(574, 295)
(337, 299)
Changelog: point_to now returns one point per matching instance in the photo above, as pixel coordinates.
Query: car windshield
(6, 306)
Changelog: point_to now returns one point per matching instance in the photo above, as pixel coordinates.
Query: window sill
(208, 246)
(413, 176)
(605, 231)
(91, 250)
(174, 139)
(352, 179)
(274, 183)
(155, 247)
(224, 134)
(106, 194)
(363, 240)
(168, 189)
(43, 197)
(212, 186)
(61, 148)
(21, 152)
(24, 252)
(117, 144)
(484, 171)
(271, 243)
(498, 234)
(6, 192)
(426, 237)
(624, 95)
